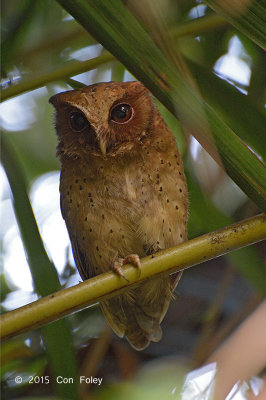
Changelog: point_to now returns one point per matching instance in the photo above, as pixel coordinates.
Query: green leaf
(248, 17)
(57, 335)
(233, 107)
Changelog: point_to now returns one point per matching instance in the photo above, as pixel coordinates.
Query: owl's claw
(117, 268)
(134, 260)
(130, 259)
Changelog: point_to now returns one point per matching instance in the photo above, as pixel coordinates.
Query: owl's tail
(137, 314)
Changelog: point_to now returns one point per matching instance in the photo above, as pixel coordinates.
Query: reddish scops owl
(123, 195)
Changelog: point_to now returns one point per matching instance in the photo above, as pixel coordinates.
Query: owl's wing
(80, 259)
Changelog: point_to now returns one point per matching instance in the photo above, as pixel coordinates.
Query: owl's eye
(121, 113)
(78, 121)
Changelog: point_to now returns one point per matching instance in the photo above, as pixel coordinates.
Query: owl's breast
(114, 208)
(100, 208)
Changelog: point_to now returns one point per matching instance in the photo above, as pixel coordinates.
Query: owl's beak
(102, 145)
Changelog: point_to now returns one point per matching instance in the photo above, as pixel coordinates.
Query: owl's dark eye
(121, 113)
(78, 121)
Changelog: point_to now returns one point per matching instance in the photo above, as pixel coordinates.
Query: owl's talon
(117, 268)
(130, 259)
(134, 260)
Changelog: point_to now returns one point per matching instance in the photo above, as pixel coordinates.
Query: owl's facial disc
(103, 119)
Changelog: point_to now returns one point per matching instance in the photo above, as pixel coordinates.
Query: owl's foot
(130, 259)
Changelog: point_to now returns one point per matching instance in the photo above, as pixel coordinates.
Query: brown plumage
(123, 192)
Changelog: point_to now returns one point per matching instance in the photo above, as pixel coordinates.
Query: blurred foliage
(43, 47)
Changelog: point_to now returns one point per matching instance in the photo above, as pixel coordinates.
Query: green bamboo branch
(198, 26)
(183, 256)
(69, 69)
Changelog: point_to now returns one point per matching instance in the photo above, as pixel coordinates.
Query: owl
(123, 196)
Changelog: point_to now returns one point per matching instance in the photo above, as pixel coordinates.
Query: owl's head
(103, 119)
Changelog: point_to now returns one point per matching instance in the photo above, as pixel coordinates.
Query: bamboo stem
(198, 26)
(183, 256)
(69, 69)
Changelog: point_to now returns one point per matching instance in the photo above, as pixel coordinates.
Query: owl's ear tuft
(54, 100)
(139, 89)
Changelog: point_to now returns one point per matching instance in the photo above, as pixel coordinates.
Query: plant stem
(69, 69)
(199, 25)
(178, 258)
